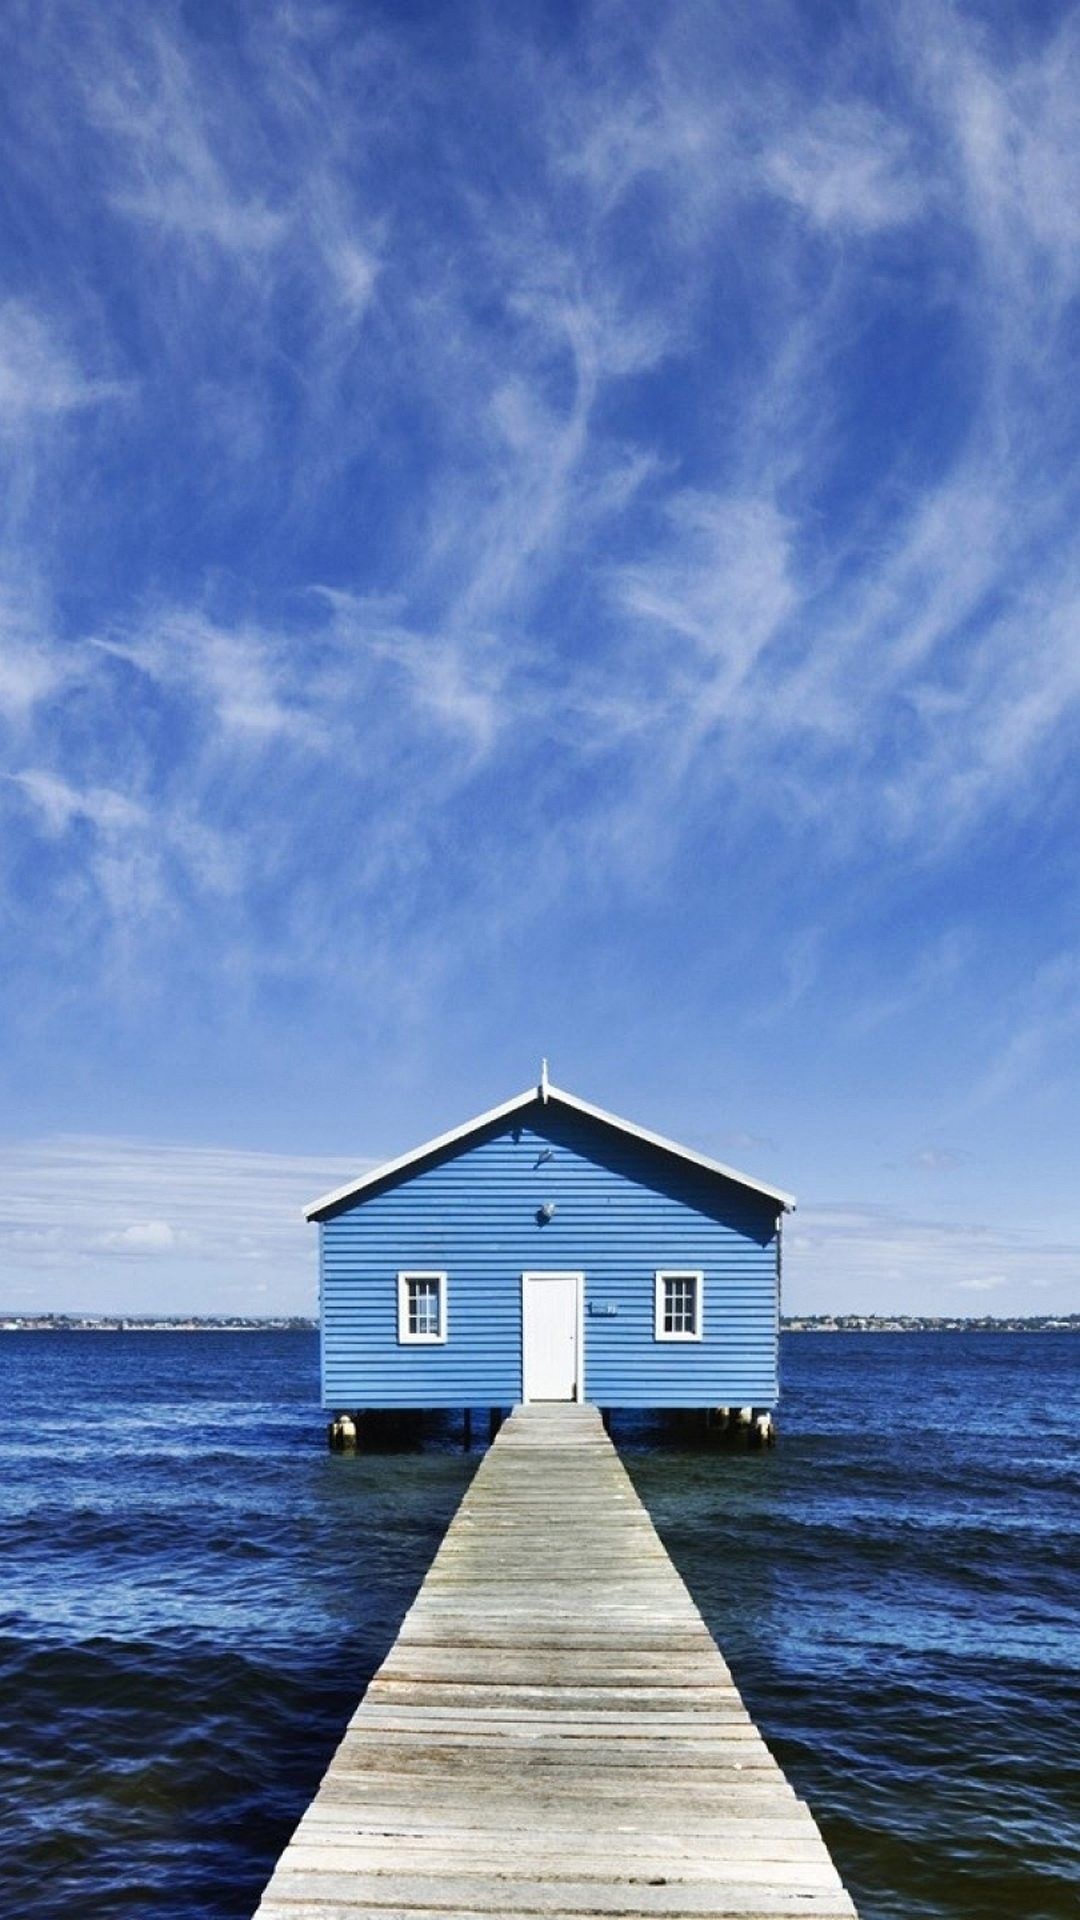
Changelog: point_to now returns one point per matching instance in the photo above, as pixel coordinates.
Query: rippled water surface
(194, 1594)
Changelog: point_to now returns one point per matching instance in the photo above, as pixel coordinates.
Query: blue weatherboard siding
(623, 1209)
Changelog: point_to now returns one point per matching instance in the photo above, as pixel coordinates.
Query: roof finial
(543, 1080)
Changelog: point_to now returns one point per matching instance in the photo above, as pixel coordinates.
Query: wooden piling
(343, 1433)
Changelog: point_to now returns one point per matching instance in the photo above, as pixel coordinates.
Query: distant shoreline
(300, 1323)
(132, 1323)
(888, 1323)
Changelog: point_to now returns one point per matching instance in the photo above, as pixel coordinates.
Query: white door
(550, 1336)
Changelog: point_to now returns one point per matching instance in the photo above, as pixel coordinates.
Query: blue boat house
(548, 1250)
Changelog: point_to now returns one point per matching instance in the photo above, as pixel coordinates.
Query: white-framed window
(421, 1309)
(679, 1299)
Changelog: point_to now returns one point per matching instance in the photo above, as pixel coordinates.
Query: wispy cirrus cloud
(30, 666)
(174, 179)
(1032, 1036)
(59, 804)
(518, 519)
(873, 681)
(38, 376)
(763, 638)
(849, 168)
(246, 678)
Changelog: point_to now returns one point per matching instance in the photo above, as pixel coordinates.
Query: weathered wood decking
(554, 1732)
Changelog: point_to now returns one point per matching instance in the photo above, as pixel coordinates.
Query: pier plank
(554, 1732)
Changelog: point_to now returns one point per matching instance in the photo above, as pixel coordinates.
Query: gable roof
(553, 1096)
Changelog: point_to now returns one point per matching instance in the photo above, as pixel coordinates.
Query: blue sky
(530, 530)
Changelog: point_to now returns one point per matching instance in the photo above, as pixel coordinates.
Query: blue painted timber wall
(623, 1209)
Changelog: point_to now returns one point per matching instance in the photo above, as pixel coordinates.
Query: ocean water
(193, 1594)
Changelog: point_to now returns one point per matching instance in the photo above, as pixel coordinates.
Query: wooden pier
(554, 1732)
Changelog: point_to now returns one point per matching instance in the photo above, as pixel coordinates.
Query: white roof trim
(526, 1099)
(418, 1153)
(786, 1200)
